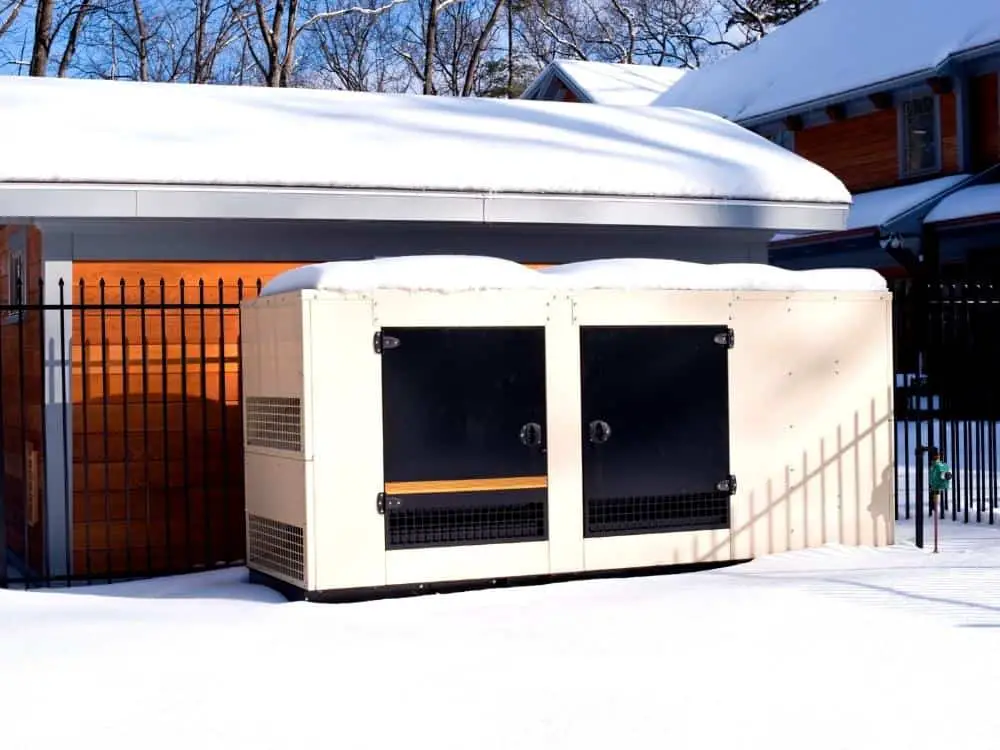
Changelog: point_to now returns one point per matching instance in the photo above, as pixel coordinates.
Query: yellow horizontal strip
(466, 485)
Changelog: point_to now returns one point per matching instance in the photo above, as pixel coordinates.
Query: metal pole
(936, 499)
(919, 516)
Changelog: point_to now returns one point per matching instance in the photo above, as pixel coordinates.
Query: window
(15, 276)
(784, 138)
(921, 139)
(17, 290)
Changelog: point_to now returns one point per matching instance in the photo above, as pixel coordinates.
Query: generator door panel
(464, 435)
(655, 429)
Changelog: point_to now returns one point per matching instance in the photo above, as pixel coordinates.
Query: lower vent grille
(274, 422)
(276, 547)
(651, 514)
(466, 518)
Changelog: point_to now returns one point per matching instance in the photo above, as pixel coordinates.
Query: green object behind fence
(940, 479)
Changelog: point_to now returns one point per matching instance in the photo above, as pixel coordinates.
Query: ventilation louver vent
(642, 515)
(276, 547)
(274, 422)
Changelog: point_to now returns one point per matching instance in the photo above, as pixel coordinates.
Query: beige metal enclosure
(422, 421)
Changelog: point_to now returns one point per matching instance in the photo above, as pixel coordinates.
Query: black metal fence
(947, 396)
(122, 431)
(120, 407)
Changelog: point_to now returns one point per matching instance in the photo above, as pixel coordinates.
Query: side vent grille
(274, 422)
(276, 547)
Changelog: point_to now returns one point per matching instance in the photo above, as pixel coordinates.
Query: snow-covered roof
(609, 83)
(450, 273)
(877, 207)
(436, 273)
(270, 139)
(978, 200)
(838, 47)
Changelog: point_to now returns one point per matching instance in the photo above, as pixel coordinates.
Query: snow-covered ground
(828, 648)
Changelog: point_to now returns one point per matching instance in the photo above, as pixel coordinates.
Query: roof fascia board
(539, 84)
(984, 59)
(39, 201)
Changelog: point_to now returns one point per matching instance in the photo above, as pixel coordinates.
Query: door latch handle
(599, 431)
(531, 434)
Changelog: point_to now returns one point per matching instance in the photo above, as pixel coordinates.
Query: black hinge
(382, 503)
(381, 342)
(726, 338)
(727, 485)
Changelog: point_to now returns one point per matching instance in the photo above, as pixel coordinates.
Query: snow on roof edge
(463, 273)
(196, 134)
(966, 203)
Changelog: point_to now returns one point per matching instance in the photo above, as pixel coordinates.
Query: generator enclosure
(425, 422)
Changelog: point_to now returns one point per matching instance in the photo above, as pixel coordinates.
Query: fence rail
(122, 431)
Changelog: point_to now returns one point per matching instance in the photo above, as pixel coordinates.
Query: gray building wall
(261, 241)
(309, 241)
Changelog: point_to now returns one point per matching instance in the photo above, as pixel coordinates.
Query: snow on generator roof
(838, 47)
(459, 273)
(168, 134)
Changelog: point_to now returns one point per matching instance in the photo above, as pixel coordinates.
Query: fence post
(919, 515)
(3, 468)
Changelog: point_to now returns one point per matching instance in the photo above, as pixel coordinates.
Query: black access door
(655, 429)
(464, 435)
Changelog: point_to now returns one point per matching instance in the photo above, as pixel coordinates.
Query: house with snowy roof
(594, 82)
(120, 369)
(900, 103)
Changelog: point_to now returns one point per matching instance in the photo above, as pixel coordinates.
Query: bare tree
(276, 26)
(683, 33)
(451, 45)
(9, 11)
(73, 38)
(357, 52)
(754, 19)
(58, 21)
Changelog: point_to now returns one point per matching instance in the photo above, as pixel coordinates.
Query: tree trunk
(73, 38)
(43, 38)
(142, 46)
(477, 51)
(510, 50)
(430, 47)
(291, 36)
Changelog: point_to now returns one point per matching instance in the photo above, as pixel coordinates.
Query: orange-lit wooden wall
(21, 391)
(863, 151)
(986, 120)
(157, 429)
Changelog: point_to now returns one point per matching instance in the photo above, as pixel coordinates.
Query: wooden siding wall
(949, 134)
(986, 120)
(157, 429)
(864, 151)
(565, 94)
(861, 151)
(21, 389)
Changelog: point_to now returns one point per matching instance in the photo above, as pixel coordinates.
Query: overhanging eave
(49, 201)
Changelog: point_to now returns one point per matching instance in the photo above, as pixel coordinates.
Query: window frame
(903, 145)
(784, 138)
(17, 259)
